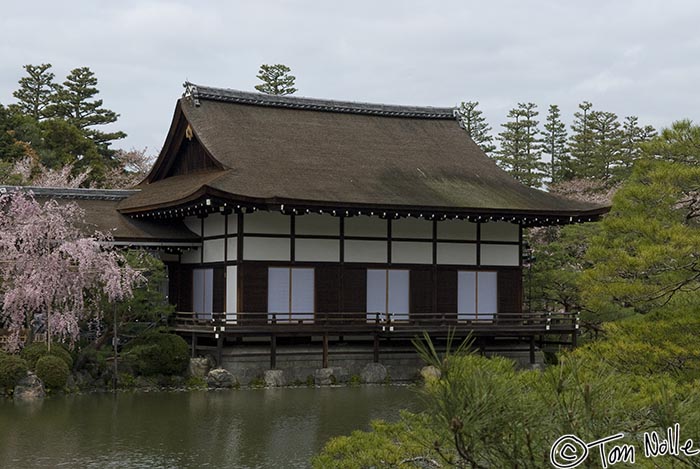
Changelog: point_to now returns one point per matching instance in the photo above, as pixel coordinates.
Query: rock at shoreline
(324, 377)
(29, 388)
(275, 378)
(341, 375)
(199, 367)
(220, 378)
(373, 373)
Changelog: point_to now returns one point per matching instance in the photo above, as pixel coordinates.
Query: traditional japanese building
(295, 216)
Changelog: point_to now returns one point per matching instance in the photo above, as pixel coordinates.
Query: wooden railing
(357, 322)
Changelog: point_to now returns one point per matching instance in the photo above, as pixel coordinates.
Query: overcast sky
(630, 57)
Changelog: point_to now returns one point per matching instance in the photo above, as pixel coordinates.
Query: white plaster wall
(231, 292)
(266, 249)
(365, 251)
(412, 228)
(317, 250)
(499, 231)
(456, 229)
(214, 250)
(317, 224)
(214, 225)
(194, 224)
(232, 223)
(456, 253)
(232, 248)
(500, 254)
(365, 226)
(192, 256)
(411, 252)
(267, 222)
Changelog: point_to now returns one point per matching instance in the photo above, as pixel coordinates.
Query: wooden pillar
(194, 345)
(574, 338)
(532, 350)
(325, 350)
(273, 352)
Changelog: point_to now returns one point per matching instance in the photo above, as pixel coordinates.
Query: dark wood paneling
(354, 295)
(421, 294)
(174, 283)
(327, 285)
(447, 293)
(184, 302)
(191, 158)
(219, 297)
(253, 292)
(510, 291)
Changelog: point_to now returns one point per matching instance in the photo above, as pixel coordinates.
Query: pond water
(247, 428)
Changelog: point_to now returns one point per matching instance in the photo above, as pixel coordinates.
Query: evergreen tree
(36, 91)
(679, 144)
(633, 136)
(74, 102)
(13, 146)
(607, 138)
(276, 80)
(475, 124)
(554, 144)
(520, 148)
(647, 252)
(581, 141)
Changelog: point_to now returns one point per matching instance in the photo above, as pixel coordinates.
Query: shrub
(53, 371)
(157, 353)
(126, 381)
(12, 369)
(196, 382)
(36, 350)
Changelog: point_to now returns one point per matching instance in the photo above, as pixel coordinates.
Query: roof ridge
(195, 93)
(72, 192)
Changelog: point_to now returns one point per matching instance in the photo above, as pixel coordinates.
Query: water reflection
(241, 429)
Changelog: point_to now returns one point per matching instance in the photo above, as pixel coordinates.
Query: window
(387, 292)
(203, 292)
(477, 295)
(290, 294)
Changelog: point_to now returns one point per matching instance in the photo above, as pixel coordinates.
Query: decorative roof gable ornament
(191, 93)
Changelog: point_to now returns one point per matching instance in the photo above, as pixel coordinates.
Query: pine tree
(74, 102)
(276, 80)
(633, 136)
(36, 91)
(520, 148)
(581, 142)
(607, 138)
(475, 124)
(554, 140)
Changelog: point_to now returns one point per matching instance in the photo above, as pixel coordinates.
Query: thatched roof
(101, 215)
(272, 150)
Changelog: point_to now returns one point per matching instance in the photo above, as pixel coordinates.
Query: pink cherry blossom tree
(49, 266)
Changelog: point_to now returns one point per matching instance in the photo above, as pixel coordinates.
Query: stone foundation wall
(299, 364)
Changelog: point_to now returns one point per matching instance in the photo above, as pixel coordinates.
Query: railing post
(532, 350)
